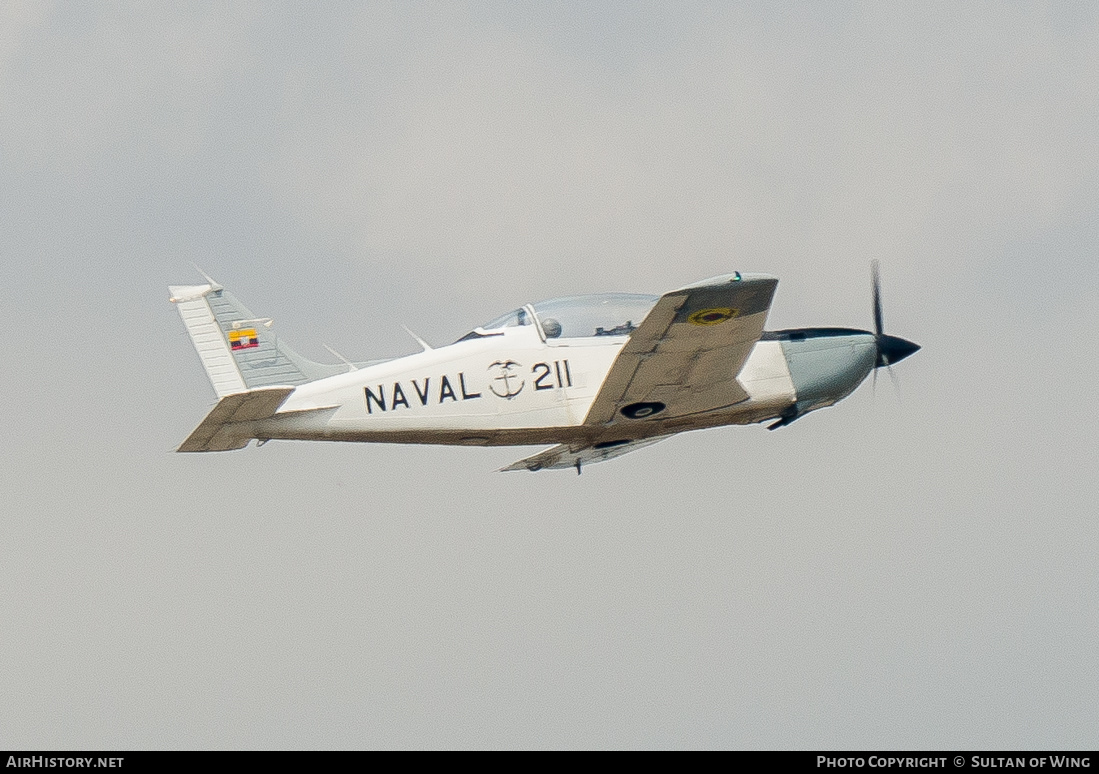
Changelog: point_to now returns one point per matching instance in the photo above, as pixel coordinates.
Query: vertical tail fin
(238, 349)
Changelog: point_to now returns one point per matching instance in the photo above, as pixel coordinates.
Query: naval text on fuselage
(958, 762)
(507, 381)
(58, 762)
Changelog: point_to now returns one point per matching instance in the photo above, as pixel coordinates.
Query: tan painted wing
(687, 352)
(563, 456)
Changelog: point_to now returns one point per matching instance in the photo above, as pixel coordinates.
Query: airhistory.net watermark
(52, 762)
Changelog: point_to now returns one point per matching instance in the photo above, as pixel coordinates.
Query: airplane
(597, 376)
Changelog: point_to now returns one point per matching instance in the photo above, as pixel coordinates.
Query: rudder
(238, 349)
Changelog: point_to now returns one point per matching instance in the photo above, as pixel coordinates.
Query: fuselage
(515, 385)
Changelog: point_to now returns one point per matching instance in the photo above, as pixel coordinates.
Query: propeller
(891, 349)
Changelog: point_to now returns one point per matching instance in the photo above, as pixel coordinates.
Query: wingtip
(725, 279)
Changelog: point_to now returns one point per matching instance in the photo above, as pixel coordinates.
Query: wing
(563, 456)
(684, 357)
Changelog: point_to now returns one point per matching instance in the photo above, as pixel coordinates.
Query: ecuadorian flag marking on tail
(243, 339)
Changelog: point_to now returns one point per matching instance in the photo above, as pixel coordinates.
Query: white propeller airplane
(598, 376)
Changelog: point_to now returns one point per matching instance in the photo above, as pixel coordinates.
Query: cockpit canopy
(605, 314)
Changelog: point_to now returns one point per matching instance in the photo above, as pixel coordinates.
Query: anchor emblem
(508, 379)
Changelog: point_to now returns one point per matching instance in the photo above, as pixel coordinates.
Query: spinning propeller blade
(875, 282)
(891, 349)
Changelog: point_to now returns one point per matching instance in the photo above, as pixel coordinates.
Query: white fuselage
(510, 387)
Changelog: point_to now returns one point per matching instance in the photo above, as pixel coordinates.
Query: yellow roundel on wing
(713, 316)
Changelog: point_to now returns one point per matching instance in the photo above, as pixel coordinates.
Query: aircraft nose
(893, 349)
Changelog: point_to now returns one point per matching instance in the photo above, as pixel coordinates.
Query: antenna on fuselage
(214, 285)
(427, 347)
(351, 366)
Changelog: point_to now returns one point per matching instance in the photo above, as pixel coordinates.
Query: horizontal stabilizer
(563, 457)
(222, 429)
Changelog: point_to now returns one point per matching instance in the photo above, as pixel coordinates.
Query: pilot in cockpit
(551, 328)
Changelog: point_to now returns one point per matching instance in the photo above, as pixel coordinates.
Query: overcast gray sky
(913, 568)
